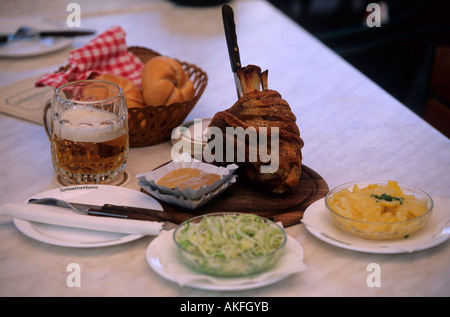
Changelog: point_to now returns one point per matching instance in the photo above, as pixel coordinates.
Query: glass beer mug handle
(46, 117)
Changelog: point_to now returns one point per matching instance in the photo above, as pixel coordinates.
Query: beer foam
(86, 124)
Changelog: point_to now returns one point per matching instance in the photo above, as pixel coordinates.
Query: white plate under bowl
(318, 222)
(208, 282)
(83, 238)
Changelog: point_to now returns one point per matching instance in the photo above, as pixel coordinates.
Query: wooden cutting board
(287, 208)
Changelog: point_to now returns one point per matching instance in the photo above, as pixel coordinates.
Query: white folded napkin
(69, 218)
(289, 263)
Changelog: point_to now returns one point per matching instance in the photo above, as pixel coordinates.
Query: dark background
(399, 56)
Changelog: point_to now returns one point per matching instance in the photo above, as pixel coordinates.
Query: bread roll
(132, 93)
(165, 82)
(133, 96)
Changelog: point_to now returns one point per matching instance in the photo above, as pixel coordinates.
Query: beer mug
(88, 132)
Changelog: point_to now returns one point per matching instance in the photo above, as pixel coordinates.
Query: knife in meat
(233, 49)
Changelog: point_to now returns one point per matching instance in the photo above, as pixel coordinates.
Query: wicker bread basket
(152, 125)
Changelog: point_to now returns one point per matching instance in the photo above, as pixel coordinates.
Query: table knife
(4, 38)
(129, 212)
(233, 49)
(110, 210)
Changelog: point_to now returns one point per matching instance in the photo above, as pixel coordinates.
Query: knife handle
(119, 214)
(4, 38)
(230, 35)
(147, 214)
(70, 33)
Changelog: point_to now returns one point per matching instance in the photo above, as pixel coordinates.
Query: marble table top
(352, 129)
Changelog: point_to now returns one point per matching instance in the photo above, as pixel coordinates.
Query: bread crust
(165, 82)
(133, 94)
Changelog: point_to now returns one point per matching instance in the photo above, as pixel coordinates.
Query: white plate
(436, 231)
(33, 46)
(83, 238)
(207, 282)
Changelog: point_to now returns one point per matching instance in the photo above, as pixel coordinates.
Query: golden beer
(89, 144)
(90, 161)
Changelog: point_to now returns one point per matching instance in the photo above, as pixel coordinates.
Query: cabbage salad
(230, 236)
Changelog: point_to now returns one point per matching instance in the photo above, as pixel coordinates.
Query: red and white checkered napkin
(106, 53)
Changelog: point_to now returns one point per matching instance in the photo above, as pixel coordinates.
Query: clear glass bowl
(225, 251)
(380, 230)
